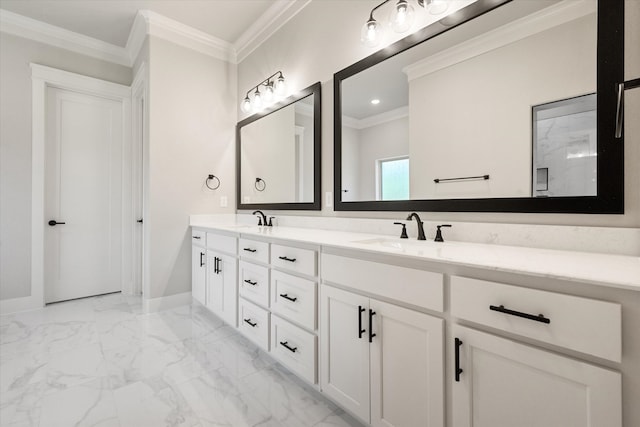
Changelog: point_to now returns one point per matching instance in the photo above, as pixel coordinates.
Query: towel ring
(212, 177)
(260, 187)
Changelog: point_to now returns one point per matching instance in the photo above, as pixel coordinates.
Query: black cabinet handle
(284, 258)
(201, 259)
(250, 250)
(195, 237)
(286, 296)
(360, 330)
(53, 223)
(252, 324)
(216, 265)
(538, 318)
(458, 343)
(285, 345)
(371, 334)
(140, 222)
(250, 282)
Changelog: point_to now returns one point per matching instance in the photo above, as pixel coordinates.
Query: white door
(83, 195)
(221, 286)
(505, 384)
(407, 369)
(345, 349)
(198, 274)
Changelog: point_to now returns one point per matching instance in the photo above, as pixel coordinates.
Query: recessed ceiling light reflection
(375, 101)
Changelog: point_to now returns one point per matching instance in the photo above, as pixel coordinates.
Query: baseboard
(152, 305)
(14, 305)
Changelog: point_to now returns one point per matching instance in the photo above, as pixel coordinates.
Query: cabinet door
(345, 349)
(407, 369)
(505, 384)
(221, 286)
(198, 274)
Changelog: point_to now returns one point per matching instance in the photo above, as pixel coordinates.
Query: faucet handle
(403, 235)
(259, 220)
(270, 223)
(439, 232)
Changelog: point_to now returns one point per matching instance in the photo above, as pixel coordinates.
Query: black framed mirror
(502, 106)
(278, 162)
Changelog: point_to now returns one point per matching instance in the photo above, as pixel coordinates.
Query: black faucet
(420, 225)
(262, 219)
(439, 232)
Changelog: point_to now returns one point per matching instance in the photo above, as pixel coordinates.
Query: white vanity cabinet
(381, 361)
(500, 382)
(222, 266)
(198, 266)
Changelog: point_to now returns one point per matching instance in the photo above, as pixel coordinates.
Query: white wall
(191, 135)
(319, 41)
(15, 147)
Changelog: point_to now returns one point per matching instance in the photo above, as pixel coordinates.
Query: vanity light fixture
(272, 88)
(401, 18)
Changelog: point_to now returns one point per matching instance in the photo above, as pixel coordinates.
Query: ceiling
(111, 20)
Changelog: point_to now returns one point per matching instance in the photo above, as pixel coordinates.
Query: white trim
(32, 29)
(278, 14)
(553, 16)
(136, 38)
(43, 77)
(140, 120)
(378, 119)
(186, 36)
(152, 305)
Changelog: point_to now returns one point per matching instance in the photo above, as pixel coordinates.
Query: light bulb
(280, 88)
(402, 16)
(245, 106)
(257, 101)
(371, 33)
(436, 7)
(268, 93)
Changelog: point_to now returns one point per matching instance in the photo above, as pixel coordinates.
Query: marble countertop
(617, 271)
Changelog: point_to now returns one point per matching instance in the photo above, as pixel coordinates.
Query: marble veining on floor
(101, 362)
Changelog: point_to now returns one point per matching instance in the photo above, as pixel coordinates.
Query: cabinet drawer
(294, 298)
(581, 324)
(416, 287)
(253, 322)
(198, 237)
(220, 242)
(254, 283)
(253, 250)
(294, 348)
(294, 259)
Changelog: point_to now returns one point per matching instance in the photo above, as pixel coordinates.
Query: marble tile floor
(101, 362)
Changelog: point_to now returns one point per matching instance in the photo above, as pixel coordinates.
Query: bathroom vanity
(400, 332)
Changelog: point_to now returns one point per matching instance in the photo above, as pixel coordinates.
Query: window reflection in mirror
(461, 107)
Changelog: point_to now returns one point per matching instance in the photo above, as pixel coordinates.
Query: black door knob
(53, 223)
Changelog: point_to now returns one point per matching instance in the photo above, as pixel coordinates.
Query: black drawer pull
(458, 368)
(360, 330)
(252, 324)
(195, 237)
(286, 296)
(250, 250)
(371, 334)
(250, 282)
(284, 258)
(201, 259)
(284, 344)
(539, 318)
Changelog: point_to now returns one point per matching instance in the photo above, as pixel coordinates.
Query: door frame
(139, 163)
(43, 77)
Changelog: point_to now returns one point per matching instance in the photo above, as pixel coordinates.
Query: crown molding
(18, 25)
(545, 19)
(378, 119)
(278, 14)
(176, 32)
